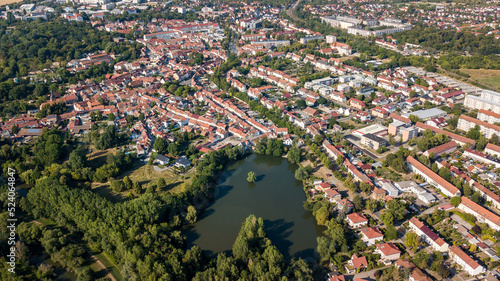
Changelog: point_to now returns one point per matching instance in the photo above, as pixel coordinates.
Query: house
(388, 251)
(356, 220)
(371, 235)
(356, 263)
(427, 235)
(182, 162)
(465, 261)
(356, 104)
(418, 275)
(162, 159)
(332, 195)
(363, 116)
(344, 203)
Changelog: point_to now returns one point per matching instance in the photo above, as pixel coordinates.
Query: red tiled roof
(427, 231)
(479, 122)
(449, 134)
(493, 147)
(388, 249)
(490, 113)
(357, 218)
(435, 177)
(372, 232)
(463, 256)
(399, 118)
(359, 262)
(481, 210)
(441, 148)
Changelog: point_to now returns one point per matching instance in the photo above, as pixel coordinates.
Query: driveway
(461, 221)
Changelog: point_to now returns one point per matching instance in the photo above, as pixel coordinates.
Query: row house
(432, 178)
(426, 234)
(482, 214)
(471, 266)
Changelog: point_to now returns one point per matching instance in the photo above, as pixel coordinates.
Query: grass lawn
(489, 77)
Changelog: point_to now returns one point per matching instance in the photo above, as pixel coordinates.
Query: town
(395, 143)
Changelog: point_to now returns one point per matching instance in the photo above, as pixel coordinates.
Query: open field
(490, 77)
(6, 2)
(145, 174)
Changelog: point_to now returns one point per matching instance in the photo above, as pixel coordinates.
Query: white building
(427, 235)
(465, 261)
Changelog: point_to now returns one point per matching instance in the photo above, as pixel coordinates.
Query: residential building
(388, 251)
(482, 214)
(427, 235)
(492, 149)
(470, 266)
(432, 178)
(373, 141)
(356, 220)
(465, 123)
(447, 148)
(488, 100)
(457, 138)
(371, 235)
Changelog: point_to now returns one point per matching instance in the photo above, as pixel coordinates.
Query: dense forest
(35, 45)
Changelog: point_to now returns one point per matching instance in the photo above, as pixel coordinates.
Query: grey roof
(374, 138)
(162, 158)
(183, 161)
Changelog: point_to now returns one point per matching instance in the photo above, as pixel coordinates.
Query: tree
(161, 145)
(455, 201)
(15, 129)
(137, 188)
(173, 149)
(300, 103)
(358, 202)
(391, 233)
(161, 184)
(371, 205)
(294, 155)
(127, 182)
(349, 184)
(474, 133)
(322, 215)
(392, 140)
(191, 214)
(301, 174)
(111, 117)
(77, 158)
(412, 240)
(387, 218)
(251, 177)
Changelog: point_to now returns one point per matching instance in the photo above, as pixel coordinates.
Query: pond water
(276, 197)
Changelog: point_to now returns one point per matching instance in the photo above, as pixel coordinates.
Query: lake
(276, 197)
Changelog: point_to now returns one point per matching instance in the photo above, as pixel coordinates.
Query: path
(290, 13)
(92, 256)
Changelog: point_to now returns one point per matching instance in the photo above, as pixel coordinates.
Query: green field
(490, 77)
